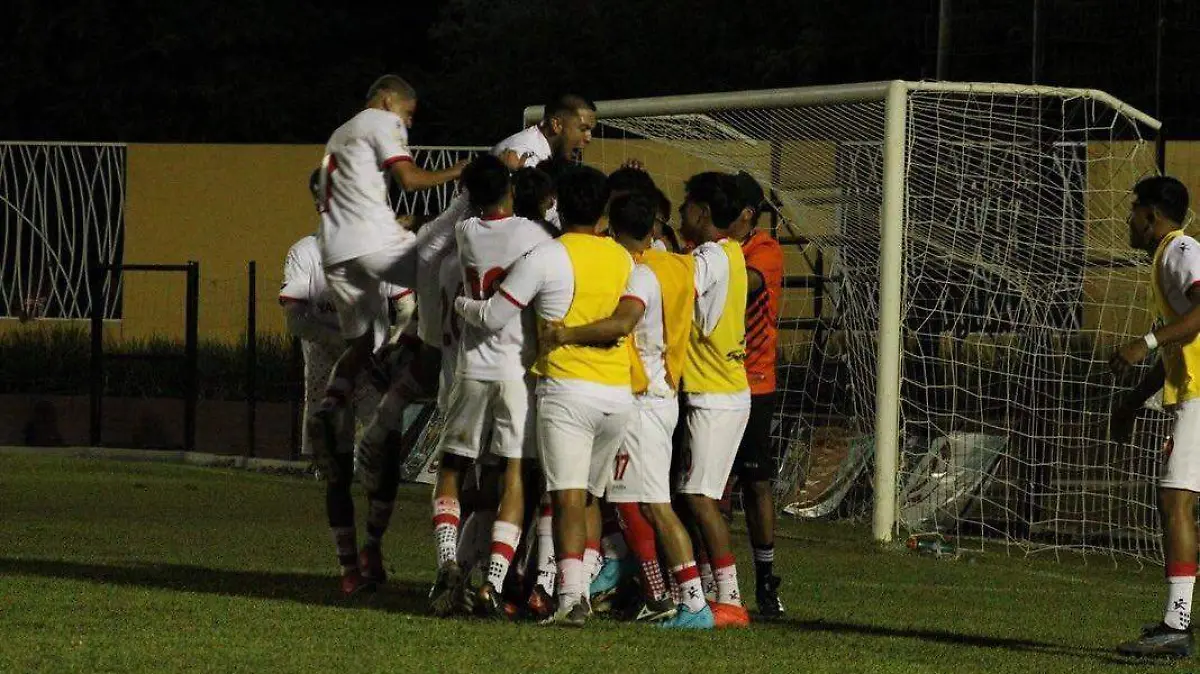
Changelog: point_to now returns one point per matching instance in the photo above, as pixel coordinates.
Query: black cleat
(370, 560)
(489, 604)
(653, 610)
(1159, 641)
(445, 588)
(769, 604)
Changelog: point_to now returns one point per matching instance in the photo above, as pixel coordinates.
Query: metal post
(296, 369)
(891, 257)
(190, 350)
(943, 43)
(96, 393)
(251, 358)
(1160, 25)
(1035, 55)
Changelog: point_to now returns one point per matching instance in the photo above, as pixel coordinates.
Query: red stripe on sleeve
(510, 298)
(387, 163)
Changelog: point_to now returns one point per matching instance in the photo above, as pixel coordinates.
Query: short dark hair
(1165, 193)
(393, 84)
(664, 204)
(752, 195)
(718, 191)
(554, 167)
(486, 179)
(582, 195)
(314, 183)
(632, 214)
(531, 187)
(566, 104)
(629, 179)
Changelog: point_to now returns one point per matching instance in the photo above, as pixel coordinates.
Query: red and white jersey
(649, 335)
(1179, 270)
(356, 218)
(304, 281)
(530, 145)
(450, 284)
(487, 248)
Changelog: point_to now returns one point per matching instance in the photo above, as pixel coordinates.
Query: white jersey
(649, 336)
(1179, 271)
(356, 218)
(530, 145)
(450, 282)
(304, 281)
(546, 277)
(712, 287)
(487, 248)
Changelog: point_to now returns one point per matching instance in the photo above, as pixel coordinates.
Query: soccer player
(657, 308)
(361, 246)
(754, 464)
(1155, 225)
(565, 130)
(714, 376)
(312, 318)
(490, 397)
(583, 392)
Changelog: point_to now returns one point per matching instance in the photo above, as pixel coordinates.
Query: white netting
(62, 210)
(1017, 283)
(433, 200)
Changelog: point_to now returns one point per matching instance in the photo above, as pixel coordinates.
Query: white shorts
(318, 364)
(1181, 451)
(479, 409)
(577, 442)
(356, 284)
(642, 467)
(713, 439)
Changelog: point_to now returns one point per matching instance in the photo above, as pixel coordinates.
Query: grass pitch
(110, 566)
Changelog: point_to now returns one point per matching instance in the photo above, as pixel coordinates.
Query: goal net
(957, 275)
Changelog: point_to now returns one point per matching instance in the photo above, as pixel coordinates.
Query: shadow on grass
(397, 596)
(949, 638)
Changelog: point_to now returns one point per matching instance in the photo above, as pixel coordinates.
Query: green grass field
(110, 566)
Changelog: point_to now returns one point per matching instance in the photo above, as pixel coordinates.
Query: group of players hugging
(601, 373)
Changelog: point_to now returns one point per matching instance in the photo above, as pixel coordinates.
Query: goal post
(956, 271)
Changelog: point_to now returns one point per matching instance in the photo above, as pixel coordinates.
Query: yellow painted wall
(227, 204)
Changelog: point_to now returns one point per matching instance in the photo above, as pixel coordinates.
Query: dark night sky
(270, 71)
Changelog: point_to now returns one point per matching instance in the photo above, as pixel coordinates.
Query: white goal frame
(895, 95)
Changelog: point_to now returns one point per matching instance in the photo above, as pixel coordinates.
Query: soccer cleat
(729, 615)
(769, 604)
(540, 604)
(354, 583)
(488, 603)
(576, 616)
(653, 610)
(1159, 641)
(370, 559)
(448, 584)
(687, 620)
(608, 579)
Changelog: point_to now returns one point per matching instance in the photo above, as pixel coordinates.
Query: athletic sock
(505, 537)
(379, 515)
(1181, 580)
(725, 573)
(546, 566)
(347, 549)
(445, 528)
(571, 581)
(764, 562)
(591, 560)
(640, 536)
(687, 576)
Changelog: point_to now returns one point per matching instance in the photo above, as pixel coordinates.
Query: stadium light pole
(943, 40)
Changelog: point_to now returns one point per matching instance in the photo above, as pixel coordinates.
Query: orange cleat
(727, 616)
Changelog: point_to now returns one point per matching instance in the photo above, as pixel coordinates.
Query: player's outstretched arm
(604, 331)
(412, 177)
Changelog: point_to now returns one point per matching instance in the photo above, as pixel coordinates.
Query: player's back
(529, 144)
(487, 248)
(356, 216)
